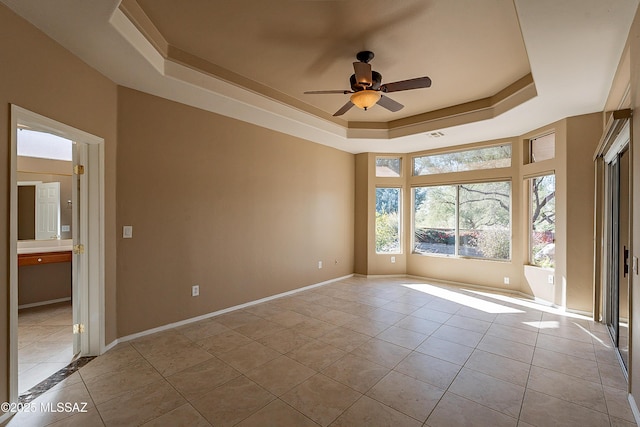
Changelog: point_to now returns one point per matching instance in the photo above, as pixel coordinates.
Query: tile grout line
(463, 397)
(526, 384)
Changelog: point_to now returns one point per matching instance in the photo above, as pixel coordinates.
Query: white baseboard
(38, 304)
(217, 313)
(634, 408)
(6, 416)
(457, 285)
(109, 346)
(383, 276)
(468, 285)
(580, 312)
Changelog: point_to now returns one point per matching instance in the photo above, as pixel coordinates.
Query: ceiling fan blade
(390, 104)
(417, 83)
(363, 74)
(316, 92)
(346, 107)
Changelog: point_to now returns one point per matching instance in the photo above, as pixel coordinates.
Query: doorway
(84, 234)
(617, 244)
(46, 218)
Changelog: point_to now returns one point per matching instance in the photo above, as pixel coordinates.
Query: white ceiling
(470, 48)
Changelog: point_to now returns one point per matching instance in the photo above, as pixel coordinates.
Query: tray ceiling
(499, 67)
(472, 50)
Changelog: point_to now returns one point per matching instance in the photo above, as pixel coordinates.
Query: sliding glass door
(617, 249)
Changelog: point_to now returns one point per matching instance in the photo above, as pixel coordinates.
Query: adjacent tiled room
(45, 342)
(358, 352)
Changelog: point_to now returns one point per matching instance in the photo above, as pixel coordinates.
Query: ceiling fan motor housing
(376, 77)
(365, 56)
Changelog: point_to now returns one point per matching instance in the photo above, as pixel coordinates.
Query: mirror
(44, 175)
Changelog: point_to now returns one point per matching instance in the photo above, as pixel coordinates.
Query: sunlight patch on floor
(531, 304)
(548, 324)
(469, 301)
(593, 336)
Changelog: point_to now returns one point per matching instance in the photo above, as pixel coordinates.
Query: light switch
(127, 231)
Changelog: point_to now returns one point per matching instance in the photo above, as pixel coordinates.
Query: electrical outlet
(506, 280)
(319, 264)
(393, 260)
(195, 290)
(127, 231)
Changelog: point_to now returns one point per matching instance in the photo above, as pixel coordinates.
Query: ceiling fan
(367, 87)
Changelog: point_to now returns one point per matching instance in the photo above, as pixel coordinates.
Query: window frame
(389, 157)
(530, 159)
(529, 219)
(478, 148)
(400, 220)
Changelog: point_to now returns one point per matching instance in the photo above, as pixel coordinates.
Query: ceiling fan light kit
(365, 98)
(367, 87)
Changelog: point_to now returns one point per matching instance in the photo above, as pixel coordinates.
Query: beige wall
(583, 135)
(634, 47)
(361, 212)
(241, 211)
(46, 282)
(39, 75)
(26, 212)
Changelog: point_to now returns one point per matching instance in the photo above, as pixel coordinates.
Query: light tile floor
(359, 352)
(45, 342)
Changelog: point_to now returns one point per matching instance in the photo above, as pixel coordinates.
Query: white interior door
(79, 234)
(48, 211)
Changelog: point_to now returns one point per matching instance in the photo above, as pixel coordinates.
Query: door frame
(610, 263)
(92, 291)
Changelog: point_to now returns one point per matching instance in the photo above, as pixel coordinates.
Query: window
(542, 221)
(458, 161)
(434, 220)
(470, 220)
(485, 220)
(542, 148)
(388, 220)
(388, 167)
